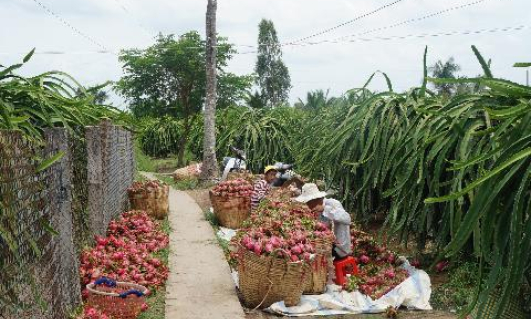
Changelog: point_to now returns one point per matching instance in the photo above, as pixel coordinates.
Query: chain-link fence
(46, 217)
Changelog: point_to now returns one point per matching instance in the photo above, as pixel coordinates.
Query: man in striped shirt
(263, 186)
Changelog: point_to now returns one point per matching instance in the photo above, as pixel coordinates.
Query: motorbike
(286, 176)
(234, 164)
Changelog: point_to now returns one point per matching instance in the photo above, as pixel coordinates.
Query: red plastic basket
(119, 300)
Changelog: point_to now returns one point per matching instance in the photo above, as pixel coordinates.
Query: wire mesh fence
(46, 217)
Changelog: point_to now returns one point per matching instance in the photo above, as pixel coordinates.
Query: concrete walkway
(199, 284)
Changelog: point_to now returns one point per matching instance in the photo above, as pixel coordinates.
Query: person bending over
(330, 211)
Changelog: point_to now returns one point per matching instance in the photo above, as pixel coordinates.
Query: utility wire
(346, 22)
(410, 36)
(136, 21)
(359, 39)
(51, 52)
(71, 27)
(429, 16)
(427, 35)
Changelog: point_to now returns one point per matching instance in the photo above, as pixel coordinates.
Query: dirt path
(200, 284)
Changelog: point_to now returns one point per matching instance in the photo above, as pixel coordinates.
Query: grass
(224, 244)
(143, 162)
(157, 304)
(183, 185)
(139, 177)
(157, 300)
(458, 291)
(212, 219)
(148, 164)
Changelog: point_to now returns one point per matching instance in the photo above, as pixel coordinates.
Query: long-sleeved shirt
(260, 190)
(334, 211)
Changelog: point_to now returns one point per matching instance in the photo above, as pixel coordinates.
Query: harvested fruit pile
(125, 254)
(283, 231)
(379, 268)
(281, 194)
(92, 313)
(147, 186)
(233, 188)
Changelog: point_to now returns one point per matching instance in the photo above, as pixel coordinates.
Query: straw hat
(310, 192)
(270, 168)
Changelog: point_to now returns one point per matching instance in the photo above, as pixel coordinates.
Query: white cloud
(335, 66)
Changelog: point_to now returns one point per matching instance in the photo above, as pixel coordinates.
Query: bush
(161, 138)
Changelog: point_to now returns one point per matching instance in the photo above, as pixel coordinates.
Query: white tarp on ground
(413, 293)
(226, 233)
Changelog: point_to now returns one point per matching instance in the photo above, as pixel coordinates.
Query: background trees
(272, 74)
(445, 70)
(169, 78)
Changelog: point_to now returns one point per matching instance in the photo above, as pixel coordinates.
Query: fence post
(59, 181)
(94, 179)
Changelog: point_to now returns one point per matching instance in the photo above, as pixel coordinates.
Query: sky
(352, 40)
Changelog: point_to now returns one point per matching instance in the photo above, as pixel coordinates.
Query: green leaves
(48, 100)
(161, 138)
(455, 169)
(484, 65)
(425, 77)
(49, 162)
(28, 56)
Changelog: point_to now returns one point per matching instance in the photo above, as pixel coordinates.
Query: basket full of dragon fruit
(280, 256)
(231, 201)
(150, 196)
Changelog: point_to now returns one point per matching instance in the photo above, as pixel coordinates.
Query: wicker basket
(154, 202)
(264, 280)
(315, 282)
(513, 310)
(108, 300)
(231, 212)
(191, 171)
(246, 175)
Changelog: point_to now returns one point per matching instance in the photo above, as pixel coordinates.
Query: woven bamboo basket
(246, 175)
(264, 280)
(107, 300)
(191, 171)
(231, 212)
(153, 201)
(513, 310)
(315, 282)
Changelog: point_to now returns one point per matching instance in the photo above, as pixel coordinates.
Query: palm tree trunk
(210, 165)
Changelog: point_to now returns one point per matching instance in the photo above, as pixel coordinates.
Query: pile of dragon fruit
(379, 268)
(126, 254)
(283, 231)
(92, 313)
(233, 188)
(291, 231)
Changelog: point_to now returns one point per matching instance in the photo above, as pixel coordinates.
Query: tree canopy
(445, 70)
(169, 77)
(272, 74)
